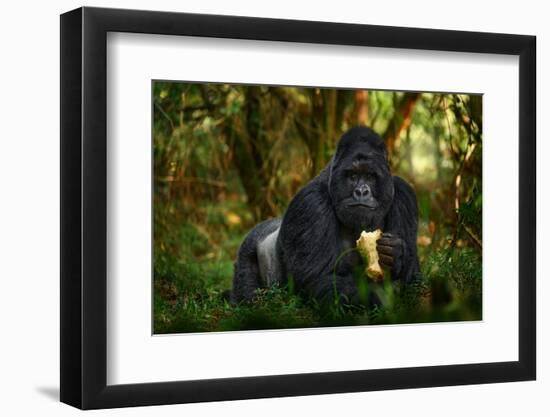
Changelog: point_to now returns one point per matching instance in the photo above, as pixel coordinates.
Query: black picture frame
(84, 207)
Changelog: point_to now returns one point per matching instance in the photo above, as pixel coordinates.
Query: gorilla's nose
(362, 192)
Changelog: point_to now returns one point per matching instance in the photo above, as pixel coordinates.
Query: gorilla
(354, 192)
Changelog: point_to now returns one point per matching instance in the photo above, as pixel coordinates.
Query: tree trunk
(401, 120)
(361, 107)
(247, 137)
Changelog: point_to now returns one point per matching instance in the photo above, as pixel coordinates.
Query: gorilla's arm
(397, 247)
(309, 244)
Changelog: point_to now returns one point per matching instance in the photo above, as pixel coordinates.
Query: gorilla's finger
(387, 250)
(385, 241)
(388, 235)
(386, 260)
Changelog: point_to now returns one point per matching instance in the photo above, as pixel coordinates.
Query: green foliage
(228, 156)
(189, 296)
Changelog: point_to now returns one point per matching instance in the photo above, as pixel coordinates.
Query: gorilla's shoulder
(310, 209)
(404, 193)
(402, 186)
(312, 198)
(309, 230)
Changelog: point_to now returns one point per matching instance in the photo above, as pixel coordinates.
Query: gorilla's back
(268, 261)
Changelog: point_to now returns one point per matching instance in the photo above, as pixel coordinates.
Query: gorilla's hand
(391, 249)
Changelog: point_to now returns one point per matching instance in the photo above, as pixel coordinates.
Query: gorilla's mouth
(370, 206)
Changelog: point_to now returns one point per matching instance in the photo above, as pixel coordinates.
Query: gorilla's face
(361, 185)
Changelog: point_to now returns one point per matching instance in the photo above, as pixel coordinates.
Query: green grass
(189, 287)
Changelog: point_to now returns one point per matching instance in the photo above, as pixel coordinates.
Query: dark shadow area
(51, 392)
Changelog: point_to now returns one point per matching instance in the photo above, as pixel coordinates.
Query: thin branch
(206, 181)
(159, 107)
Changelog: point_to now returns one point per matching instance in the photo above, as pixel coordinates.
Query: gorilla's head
(360, 182)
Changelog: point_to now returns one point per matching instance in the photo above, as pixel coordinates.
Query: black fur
(355, 192)
(246, 279)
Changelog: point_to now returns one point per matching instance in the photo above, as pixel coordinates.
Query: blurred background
(228, 156)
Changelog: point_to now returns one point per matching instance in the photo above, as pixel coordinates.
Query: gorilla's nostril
(361, 191)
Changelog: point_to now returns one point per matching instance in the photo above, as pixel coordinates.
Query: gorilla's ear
(386, 158)
(381, 147)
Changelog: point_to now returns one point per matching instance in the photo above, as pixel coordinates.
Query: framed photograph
(256, 208)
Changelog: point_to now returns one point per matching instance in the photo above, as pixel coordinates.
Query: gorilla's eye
(353, 177)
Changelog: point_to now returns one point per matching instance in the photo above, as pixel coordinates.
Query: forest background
(229, 156)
